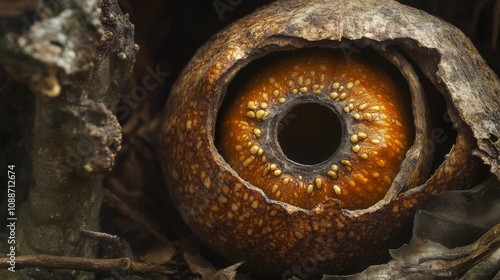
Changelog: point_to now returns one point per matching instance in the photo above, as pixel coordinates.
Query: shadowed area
(309, 133)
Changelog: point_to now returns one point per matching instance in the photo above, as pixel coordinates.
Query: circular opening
(309, 133)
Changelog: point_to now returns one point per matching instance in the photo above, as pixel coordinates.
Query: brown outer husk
(274, 236)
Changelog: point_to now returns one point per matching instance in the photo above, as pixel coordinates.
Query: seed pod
(335, 68)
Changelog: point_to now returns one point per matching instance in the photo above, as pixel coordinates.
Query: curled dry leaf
(341, 209)
(458, 218)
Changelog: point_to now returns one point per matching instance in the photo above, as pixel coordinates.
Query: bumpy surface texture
(237, 219)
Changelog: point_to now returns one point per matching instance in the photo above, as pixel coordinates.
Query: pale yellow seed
(341, 88)
(251, 114)
(375, 108)
(349, 85)
(263, 105)
(276, 92)
(304, 89)
(381, 163)
(310, 189)
(318, 182)
(362, 135)
(356, 116)
(281, 100)
(260, 152)
(376, 175)
(252, 105)
(295, 91)
(336, 85)
(257, 132)
(273, 167)
(343, 95)
(286, 181)
(356, 148)
(363, 106)
(332, 174)
(346, 162)
(248, 161)
(367, 116)
(375, 141)
(238, 147)
(347, 109)
(265, 171)
(337, 190)
(274, 188)
(260, 114)
(354, 138)
(334, 95)
(254, 149)
(334, 167)
(364, 156)
(277, 172)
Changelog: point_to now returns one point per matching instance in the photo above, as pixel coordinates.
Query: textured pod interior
(416, 167)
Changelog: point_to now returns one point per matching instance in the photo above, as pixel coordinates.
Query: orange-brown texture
(235, 218)
(382, 129)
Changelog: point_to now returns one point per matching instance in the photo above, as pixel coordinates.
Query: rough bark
(74, 56)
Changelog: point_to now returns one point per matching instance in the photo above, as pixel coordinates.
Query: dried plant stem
(123, 265)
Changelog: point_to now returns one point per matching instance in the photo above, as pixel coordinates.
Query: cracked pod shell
(237, 220)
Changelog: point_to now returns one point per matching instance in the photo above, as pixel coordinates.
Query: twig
(122, 265)
(120, 247)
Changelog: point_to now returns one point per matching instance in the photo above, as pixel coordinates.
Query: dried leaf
(424, 259)
(197, 263)
(228, 273)
(162, 255)
(460, 217)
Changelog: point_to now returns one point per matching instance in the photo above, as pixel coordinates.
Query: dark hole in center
(310, 133)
